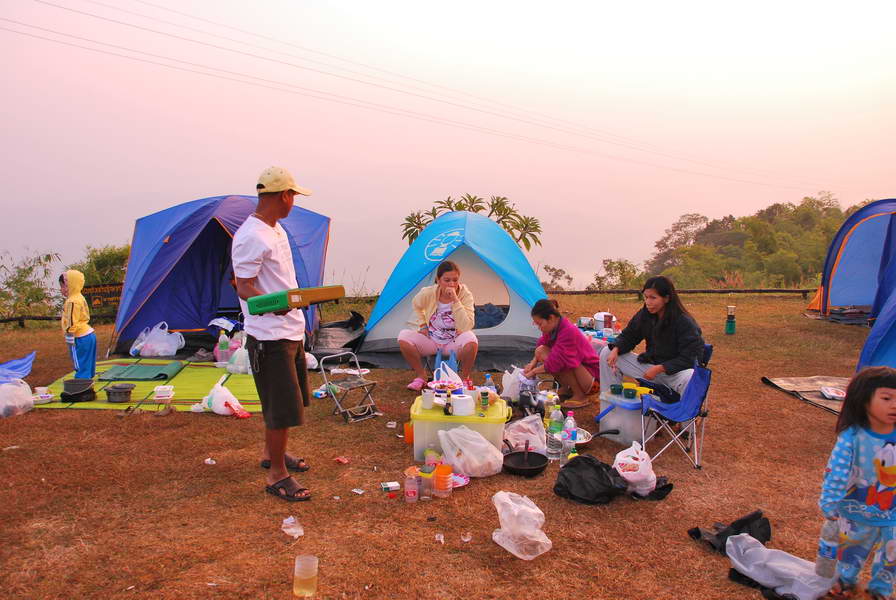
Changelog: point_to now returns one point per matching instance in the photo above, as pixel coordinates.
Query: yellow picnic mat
(191, 384)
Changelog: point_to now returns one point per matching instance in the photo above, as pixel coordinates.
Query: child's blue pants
(857, 541)
(84, 356)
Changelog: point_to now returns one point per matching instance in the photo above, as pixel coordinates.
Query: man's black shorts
(281, 378)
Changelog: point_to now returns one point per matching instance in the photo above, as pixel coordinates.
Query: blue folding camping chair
(686, 410)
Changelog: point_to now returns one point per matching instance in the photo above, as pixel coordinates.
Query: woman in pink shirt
(565, 353)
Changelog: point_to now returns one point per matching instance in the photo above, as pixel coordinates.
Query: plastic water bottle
(223, 347)
(570, 430)
(826, 561)
(410, 489)
(555, 445)
(489, 383)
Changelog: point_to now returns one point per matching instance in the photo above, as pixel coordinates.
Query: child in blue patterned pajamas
(859, 486)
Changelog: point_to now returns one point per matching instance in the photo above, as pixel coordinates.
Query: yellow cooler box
(429, 422)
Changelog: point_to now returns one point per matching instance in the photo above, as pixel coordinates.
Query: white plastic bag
(635, 467)
(160, 342)
(531, 428)
(15, 398)
(221, 401)
(138, 343)
(311, 361)
(239, 362)
(521, 522)
(469, 453)
(445, 373)
(786, 574)
(510, 383)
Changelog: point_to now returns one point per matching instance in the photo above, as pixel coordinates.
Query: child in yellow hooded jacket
(76, 327)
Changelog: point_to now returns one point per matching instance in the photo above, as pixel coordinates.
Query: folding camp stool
(340, 386)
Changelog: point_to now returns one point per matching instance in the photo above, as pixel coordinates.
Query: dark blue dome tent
(860, 271)
(179, 269)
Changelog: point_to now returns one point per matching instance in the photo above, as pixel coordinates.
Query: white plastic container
(428, 422)
(626, 417)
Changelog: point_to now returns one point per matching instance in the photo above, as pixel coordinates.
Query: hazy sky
(606, 122)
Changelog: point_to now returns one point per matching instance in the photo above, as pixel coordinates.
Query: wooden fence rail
(21, 319)
(805, 293)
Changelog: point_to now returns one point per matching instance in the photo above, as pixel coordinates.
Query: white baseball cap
(278, 179)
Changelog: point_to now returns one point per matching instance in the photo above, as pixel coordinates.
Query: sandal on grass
(287, 489)
(417, 384)
(840, 591)
(296, 465)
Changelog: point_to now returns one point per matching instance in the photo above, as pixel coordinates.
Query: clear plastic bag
(510, 383)
(15, 398)
(531, 428)
(635, 467)
(470, 453)
(239, 362)
(160, 342)
(521, 521)
(221, 400)
(445, 373)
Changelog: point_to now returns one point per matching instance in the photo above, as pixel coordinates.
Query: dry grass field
(94, 506)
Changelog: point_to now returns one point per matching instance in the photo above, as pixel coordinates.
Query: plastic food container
(428, 422)
(626, 417)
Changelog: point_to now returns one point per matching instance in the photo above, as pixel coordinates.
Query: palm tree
(431, 215)
(446, 205)
(413, 224)
(470, 203)
(504, 213)
(527, 230)
(524, 230)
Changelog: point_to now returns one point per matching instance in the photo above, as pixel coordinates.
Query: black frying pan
(525, 463)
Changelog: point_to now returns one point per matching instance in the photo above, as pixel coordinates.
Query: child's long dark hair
(665, 288)
(858, 395)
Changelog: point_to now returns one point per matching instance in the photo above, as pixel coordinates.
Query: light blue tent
(179, 269)
(492, 266)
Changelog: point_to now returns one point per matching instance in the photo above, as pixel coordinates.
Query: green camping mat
(191, 383)
(144, 371)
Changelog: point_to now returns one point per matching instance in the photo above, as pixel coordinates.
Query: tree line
(782, 245)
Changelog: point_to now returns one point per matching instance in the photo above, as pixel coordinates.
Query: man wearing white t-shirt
(262, 264)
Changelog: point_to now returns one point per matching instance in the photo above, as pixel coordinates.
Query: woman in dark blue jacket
(674, 341)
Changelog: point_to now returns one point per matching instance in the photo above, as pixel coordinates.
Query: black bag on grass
(589, 481)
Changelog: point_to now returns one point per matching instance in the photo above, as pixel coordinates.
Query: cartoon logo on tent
(443, 244)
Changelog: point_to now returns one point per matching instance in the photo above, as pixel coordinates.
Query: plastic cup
(442, 483)
(304, 581)
(426, 398)
(41, 391)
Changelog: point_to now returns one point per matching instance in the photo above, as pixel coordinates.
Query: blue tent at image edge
(860, 270)
(503, 284)
(179, 269)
